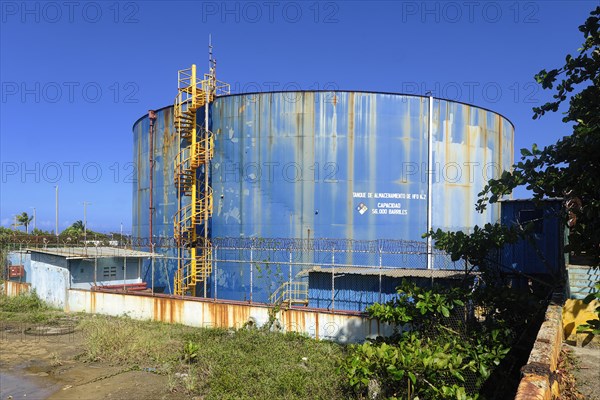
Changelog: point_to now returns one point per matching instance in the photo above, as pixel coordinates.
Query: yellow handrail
(194, 263)
(196, 154)
(186, 277)
(292, 293)
(185, 220)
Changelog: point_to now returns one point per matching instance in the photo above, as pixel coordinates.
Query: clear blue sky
(75, 76)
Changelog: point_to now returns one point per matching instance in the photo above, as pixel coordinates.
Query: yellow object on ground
(575, 313)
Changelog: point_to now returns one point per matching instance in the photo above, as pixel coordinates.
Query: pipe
(429, 181)
(152, 117)
(206, 174)
(152, 261)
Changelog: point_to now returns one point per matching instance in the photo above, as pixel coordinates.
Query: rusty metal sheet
(12, 288)
(319, 164)
(166, 147)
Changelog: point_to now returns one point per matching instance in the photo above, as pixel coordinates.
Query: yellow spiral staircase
(194, 194)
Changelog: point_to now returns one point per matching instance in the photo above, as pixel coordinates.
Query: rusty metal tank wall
(315, 164)
(329, 165)
(470, 146)
(164, 194)
(350, 164)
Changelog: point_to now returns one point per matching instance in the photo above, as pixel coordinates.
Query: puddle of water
(20, 387)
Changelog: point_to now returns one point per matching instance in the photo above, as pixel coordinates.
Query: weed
(190, 352)
(55, 360)
(263, 364)
(190, 380)
(171, 381)
(26, 307)
(119, 340)
(24, 302)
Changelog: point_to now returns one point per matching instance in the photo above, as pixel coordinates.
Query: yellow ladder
(194, 251)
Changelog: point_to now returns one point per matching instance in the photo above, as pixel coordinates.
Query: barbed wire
(388, 246)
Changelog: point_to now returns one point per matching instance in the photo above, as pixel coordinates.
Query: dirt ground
(38, 362)
(587, 374)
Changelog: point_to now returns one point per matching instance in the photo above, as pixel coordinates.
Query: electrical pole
(34, 219)
(85, 204)
(56, 221)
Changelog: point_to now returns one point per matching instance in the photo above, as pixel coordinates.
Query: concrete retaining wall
(538, 381)
(342, 327)
(319, 324)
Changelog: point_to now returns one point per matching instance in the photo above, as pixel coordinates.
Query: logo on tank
(362, 208)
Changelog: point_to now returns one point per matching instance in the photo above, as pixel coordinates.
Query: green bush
(23, 303)
(439, 350)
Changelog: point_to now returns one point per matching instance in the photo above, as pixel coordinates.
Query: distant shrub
(23, 303)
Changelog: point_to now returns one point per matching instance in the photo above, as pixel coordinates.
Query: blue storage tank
(317, 164)
(165, 147)
(351, 164)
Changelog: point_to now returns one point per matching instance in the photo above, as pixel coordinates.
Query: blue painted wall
(51, 276)
(545, 255)
(354, 292)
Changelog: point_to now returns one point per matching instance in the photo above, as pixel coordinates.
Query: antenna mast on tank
(212, 65)
(210, 55)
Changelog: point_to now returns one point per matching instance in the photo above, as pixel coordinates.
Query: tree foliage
(447, 343)
(76, 231)
(24, 219)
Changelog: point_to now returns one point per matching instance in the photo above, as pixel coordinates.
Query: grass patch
(260, 364)
(26, 307)
(24, 302)
(219, 363)
(207, 363)
(126, 341)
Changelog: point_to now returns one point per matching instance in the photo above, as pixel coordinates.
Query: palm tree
(24, 219)
(78, 226)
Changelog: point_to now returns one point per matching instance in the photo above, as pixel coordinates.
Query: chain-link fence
(343, 275)
(334, 274)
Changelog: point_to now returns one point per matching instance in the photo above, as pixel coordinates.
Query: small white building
(53, 271)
